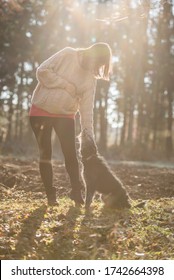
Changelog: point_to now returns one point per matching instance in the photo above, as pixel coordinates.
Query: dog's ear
(88, 146)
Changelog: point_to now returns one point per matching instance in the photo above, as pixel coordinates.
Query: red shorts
(37, 112)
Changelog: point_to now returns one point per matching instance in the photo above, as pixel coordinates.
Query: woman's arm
(48, 73)
(86, 106)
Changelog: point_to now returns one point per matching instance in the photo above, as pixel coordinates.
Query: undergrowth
(31, 230)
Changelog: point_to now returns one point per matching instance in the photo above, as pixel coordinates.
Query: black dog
(99, 177)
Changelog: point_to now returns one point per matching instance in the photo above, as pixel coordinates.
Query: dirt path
(142, 180)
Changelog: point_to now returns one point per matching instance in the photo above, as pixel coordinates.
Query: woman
(66, 84)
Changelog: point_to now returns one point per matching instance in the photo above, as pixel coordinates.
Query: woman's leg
(42, 128)
(65, 130)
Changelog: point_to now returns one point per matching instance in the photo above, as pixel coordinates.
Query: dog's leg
(89, 196)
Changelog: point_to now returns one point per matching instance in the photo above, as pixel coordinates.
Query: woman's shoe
(51, 197)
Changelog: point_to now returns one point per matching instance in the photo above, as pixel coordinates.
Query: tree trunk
(169, 144)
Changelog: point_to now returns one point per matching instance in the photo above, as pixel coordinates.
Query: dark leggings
(65, 130)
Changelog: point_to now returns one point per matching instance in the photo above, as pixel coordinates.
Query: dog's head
(116, 202)
(88, 145)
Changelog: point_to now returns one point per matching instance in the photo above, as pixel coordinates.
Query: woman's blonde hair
(102, 55)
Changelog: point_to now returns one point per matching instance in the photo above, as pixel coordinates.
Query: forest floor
(31, 230)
